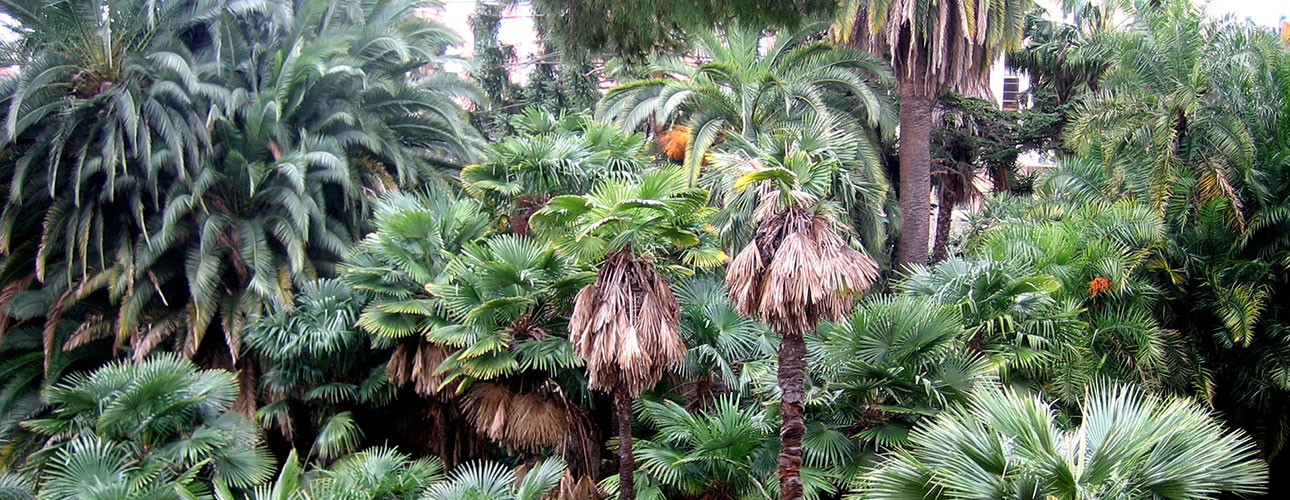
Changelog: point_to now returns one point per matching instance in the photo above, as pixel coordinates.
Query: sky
(1264, 12)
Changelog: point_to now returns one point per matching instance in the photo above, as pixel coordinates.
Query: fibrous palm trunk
(792, 407)
(626, 464)
(915, 174)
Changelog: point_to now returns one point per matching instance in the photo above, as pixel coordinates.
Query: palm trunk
(626, 465)
(915, 174)
(792, 386)
(944, 218)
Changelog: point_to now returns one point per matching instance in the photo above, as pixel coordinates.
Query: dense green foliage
(256, 250)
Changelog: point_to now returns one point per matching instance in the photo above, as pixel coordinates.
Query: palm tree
(1184, 137)
(1107, 263)
(110, 105)
(147, 426)
(933, 47)
(727, 450)
(549, 155)
(318, 363)
(494, 481)
(796, 270)
(477, 325)
(743, 91)
(720, 340)
(379, 473)
(892, 361)
(857, 186)
(191, 164)
(1129, 444)
(624, 324)
(368, 74)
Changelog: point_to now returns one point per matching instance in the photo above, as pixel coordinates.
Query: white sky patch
(1262, 12)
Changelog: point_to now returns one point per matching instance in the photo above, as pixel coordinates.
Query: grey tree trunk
(915, 175)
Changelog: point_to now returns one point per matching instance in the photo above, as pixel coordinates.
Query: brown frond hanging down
(527, 421)
(624, 325)
(417, 364)
(580, 488)
(796, 270)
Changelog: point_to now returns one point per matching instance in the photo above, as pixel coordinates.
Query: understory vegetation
(284, 250)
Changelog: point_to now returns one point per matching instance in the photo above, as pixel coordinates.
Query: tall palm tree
(934, 46)
(857, 186)
(796, 270)
(1129, 444)
(742, 90)
(625, 322)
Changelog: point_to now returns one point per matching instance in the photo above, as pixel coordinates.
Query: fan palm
(493, 481)
(796, 270)
(1103, 257)
(624, 324)
(550, 156)
(858, 187)
(728, 451)
(313, 358)
(934, 46)
(742, 90)
(1129, 444)
(482, 329)
(377, 474)
(720, 340)
(160, 418)
(897, 359)
(1010, 312)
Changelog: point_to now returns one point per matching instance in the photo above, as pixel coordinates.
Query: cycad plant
(625, 322)
(1128, 444)
(742, 90)
(797, 269)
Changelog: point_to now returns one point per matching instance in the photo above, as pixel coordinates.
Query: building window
(1011, 94)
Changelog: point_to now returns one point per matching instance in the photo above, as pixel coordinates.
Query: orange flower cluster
(672, 142)
(1098, 285)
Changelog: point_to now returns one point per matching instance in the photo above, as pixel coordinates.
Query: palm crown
(743, 91)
